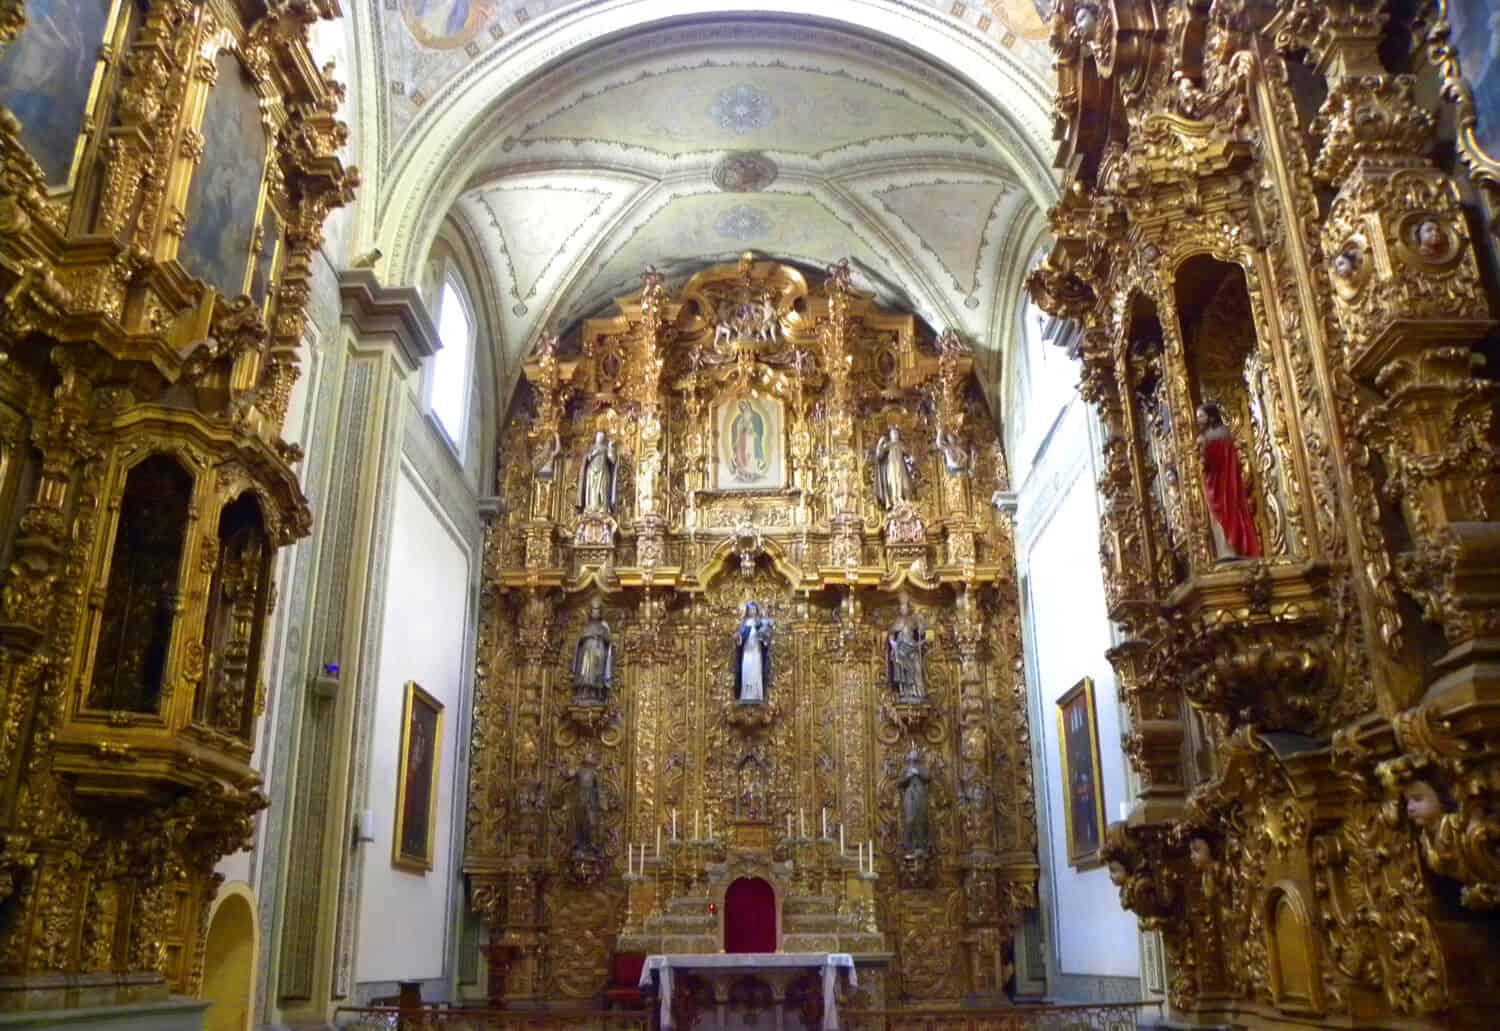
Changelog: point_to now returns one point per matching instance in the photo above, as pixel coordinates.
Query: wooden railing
(1110, 1016)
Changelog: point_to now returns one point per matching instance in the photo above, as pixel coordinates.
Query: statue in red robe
(1225, 489)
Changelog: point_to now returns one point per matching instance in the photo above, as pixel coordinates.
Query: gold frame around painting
(1082, 855)
(418, 860)
(1457, 88)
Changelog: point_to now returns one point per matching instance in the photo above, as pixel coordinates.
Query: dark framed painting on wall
(1083, 787)
(1460, 39)
(416, 780)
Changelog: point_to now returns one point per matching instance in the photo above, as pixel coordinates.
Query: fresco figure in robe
(439, 19)
(597, 477)
(752, 656)
(1225, 489)
(747, 443)
(893, 471)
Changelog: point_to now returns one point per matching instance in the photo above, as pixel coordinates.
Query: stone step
(687, 905)
(797, 904)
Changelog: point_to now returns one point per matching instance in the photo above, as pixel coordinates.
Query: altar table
(722, 969)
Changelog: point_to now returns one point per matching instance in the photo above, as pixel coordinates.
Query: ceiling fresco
(692, 143)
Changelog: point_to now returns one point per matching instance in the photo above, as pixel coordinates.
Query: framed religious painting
(1083, 787)
(416, 780)
(751, 452)
(1460, 38)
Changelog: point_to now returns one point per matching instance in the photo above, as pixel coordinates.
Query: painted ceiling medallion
(742, 109)
(744, 172)
(743, 223)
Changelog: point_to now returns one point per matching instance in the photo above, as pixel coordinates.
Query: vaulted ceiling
(693, 141)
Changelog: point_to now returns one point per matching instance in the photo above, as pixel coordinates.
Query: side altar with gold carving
(159, 214)
(1273, 258)
(743, 568)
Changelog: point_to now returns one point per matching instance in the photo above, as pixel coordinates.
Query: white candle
(801, 823)
(872, 856)
(789, 825)
(629, 858)
(642, 868)
(658, 841)
(710, 826)
(825, 821)
(696, 813)
(841, 840)
(861, 858)
(674, 823)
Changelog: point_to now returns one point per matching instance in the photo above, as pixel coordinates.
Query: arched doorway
(229, 964)
(750, 916)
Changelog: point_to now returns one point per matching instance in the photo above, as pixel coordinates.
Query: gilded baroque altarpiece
(1284, 333)
(154, 263)
(570, 848)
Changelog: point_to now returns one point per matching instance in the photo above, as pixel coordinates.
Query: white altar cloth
(828, 963)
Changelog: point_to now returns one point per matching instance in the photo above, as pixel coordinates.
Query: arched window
(449, 375)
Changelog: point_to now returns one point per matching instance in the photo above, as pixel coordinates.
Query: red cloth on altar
(1228, 498)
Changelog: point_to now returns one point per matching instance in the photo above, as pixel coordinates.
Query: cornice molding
(395, 313)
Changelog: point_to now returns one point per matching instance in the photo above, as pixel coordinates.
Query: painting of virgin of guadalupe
(750, 453)
(47, 74)
(1475, 38)
(224, 196)
(444, 24)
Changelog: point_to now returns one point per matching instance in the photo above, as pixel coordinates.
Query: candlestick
(825, 821)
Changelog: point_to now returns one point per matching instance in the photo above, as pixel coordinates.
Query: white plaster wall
(404, 915)
(1069, 634)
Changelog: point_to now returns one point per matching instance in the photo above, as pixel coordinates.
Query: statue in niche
(587, 808)
(750, 798)
(752, 656)
(598, 475)
(544, 456)
(1225, 489)
(916, 826)
(593, 660)
(905, 653)
(955, 456)
(894, 467)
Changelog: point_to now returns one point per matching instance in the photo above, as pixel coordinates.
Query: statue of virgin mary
(752, 656)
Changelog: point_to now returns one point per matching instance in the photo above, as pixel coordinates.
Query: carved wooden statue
(752, 656)
(593, 660)
(916, 826)
(893, 471)
(598, 477)
(1225, 489)
(905, 654)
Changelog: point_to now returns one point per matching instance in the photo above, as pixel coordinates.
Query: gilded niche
(740, 574)
(167, 168)
(1284, 326)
